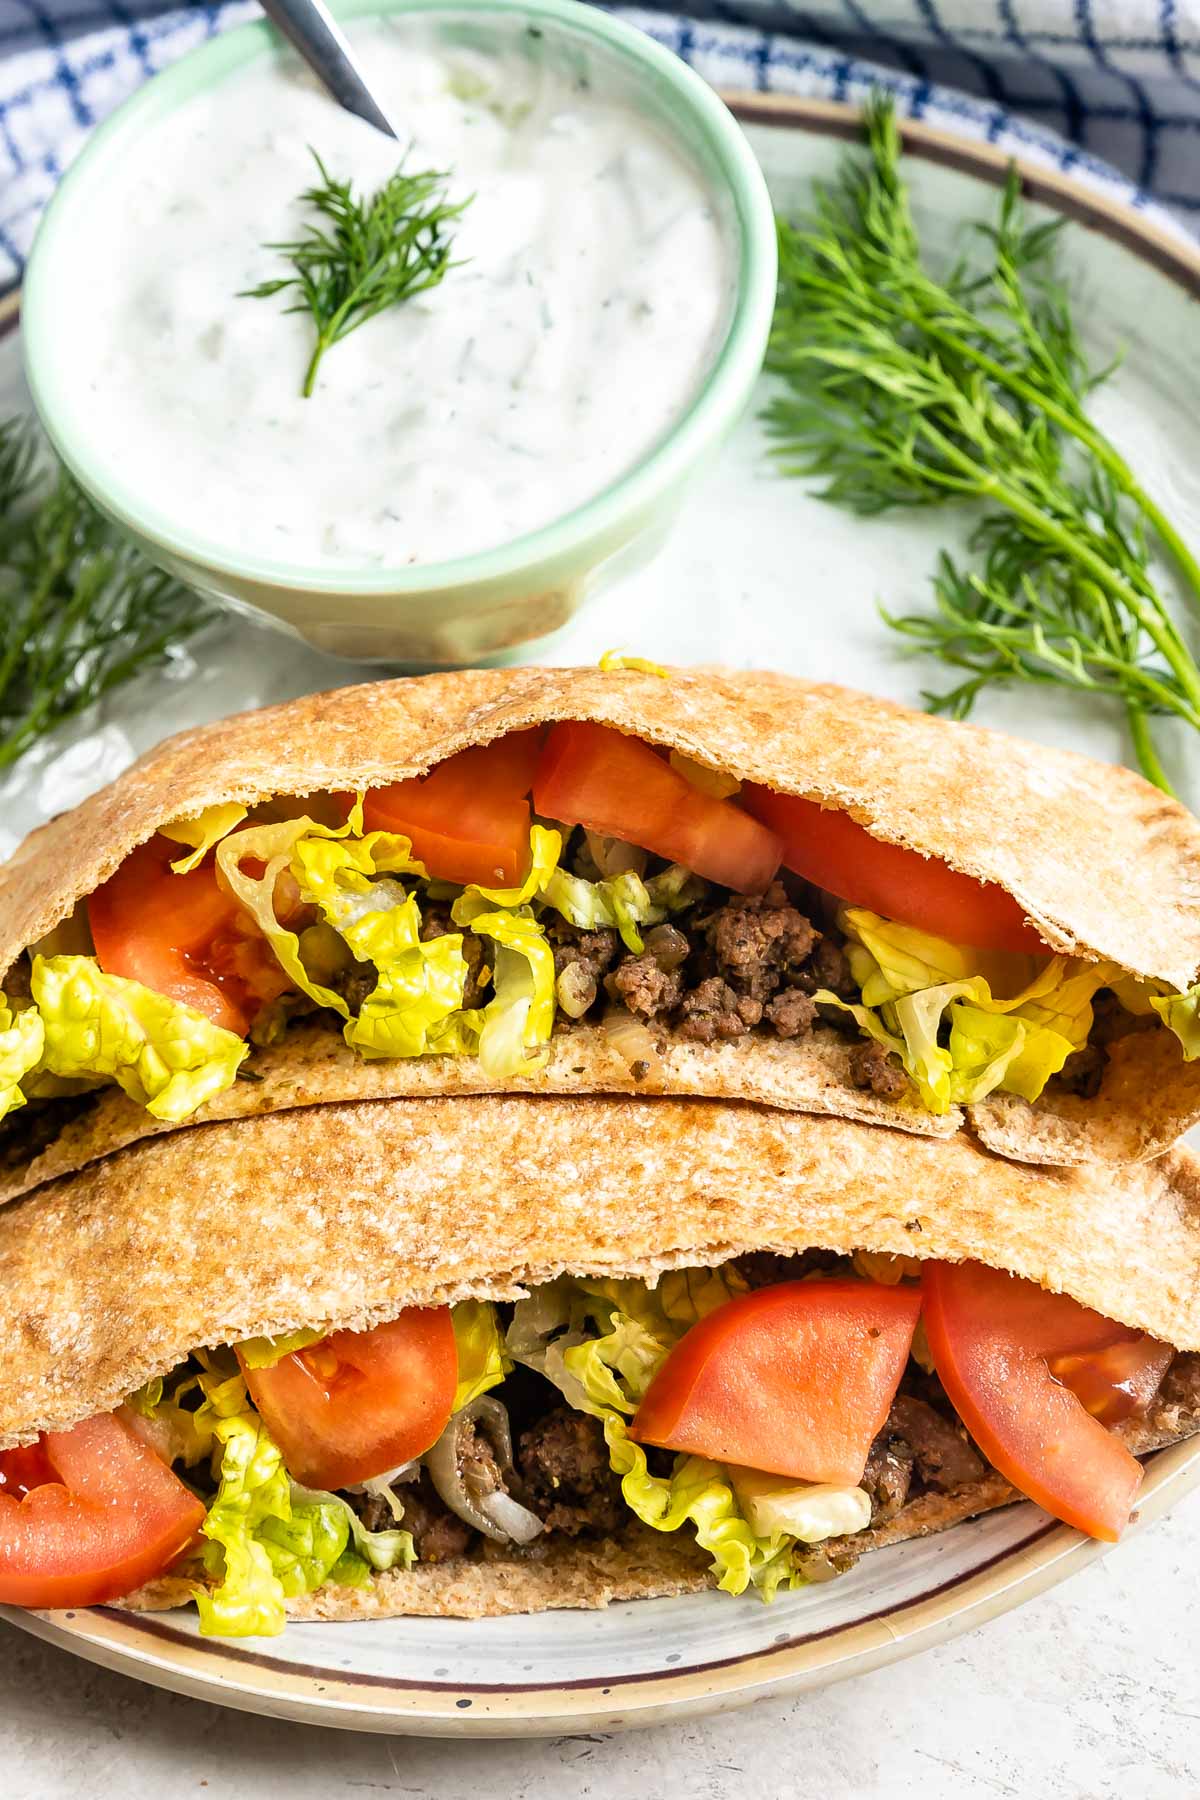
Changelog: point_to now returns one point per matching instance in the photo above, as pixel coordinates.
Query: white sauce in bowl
(593, 292)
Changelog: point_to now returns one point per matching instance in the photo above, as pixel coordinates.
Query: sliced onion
(632, 1042)
(515, 1521)
(575, 990)
(447, 1477)
(668, 946)
(613, 856)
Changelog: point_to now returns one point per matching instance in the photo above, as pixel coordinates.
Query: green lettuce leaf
(22, 1042)
(420, 984)
(545, 848)
(482, 1359)
(167, 1057)
(378, 1550)
(1012, 1021)
(265, 1352)
(1180, 1013)
(202, 832)
(618, 903)
(516, 1024)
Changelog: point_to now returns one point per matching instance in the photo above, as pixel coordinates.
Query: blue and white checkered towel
(1077, 84)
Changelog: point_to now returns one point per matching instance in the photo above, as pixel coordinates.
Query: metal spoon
(308, 25)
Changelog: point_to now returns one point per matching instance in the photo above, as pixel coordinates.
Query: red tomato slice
(88, 1515)
(618, 786)
(1118, 1381)
(834, 852)
(990, 1336)
(360, 1402)
(795, 1379)
(159, 928)
(469, 818)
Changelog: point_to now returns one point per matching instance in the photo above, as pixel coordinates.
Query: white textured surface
(1090, 1693)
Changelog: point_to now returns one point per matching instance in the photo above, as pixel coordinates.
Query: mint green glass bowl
(473, 607)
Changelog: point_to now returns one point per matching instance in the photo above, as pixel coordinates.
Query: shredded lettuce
(1012, 1021)
(601, 1343)
(261, 1547)
(1180, 1013)
(545, 848)
(268, 1538)
(516, 1024)
(22, 1041)
(378, 1550)
(618, 903)
(420, 984)
(482, 1359)
(265, 1352)
(616, 659)
(202, 832)
(168, 1057)
(328, 863)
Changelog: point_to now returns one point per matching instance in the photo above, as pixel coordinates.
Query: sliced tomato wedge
(1117, 1381)
(359, 1402)
(164, 930)
(995, 1341)
(836, 853)
(794, 1379)
(469, 818)
(88, 1515)
(620, 787)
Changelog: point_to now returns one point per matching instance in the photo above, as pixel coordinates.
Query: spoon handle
(308, 25)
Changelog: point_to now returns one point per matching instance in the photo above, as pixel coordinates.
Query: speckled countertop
(1090, 1693)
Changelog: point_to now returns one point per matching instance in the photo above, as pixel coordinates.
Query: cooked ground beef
(644, 986)
(435, 923)
(438, 1534)
(1083, 1072)
(792, 1013)
(873, 1066)
(586, 955)
(888, 1475)
(760, 941)
(33, 1128)
(917, 1445)
(477, 1461)
(712, 975)
(563, 1463)
(762, 1268)
(714, 1013)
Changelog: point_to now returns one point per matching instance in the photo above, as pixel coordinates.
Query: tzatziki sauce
(591, 293)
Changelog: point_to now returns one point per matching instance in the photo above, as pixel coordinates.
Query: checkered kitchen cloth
(1076, 84)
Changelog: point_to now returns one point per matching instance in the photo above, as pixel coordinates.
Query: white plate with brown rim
(757, 573)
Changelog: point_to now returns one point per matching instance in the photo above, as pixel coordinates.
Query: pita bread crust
(341, 1215)
(639, 1565)
(315, 1066)
(1103, 863)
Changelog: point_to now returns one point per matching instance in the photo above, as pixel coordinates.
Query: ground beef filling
(713, 975)
(561, 1470)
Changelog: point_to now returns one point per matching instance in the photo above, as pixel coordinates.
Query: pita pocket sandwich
(496, 1354)
(732, 886)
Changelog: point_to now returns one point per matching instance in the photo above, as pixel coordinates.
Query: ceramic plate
(757, 573)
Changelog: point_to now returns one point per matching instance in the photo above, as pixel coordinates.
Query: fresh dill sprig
(369, 255)
(81, 610)
(908, 389)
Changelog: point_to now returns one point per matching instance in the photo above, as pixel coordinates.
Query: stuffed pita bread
(475, 1356)
(724, 885)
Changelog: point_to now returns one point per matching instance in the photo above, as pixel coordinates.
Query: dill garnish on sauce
(906, 389)
(368, 255)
